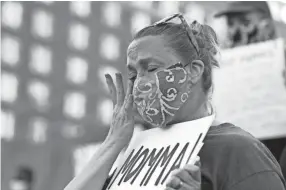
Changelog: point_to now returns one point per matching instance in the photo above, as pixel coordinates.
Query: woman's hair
(177, 39)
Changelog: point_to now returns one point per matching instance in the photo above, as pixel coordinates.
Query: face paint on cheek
(158, 100)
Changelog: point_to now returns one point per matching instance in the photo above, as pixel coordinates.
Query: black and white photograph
(143, 95)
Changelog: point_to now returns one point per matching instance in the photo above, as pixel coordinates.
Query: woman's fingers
(128, 102)
(174, 182)
(130, 85)
(117, 92)
(128, 105)
(185, 178)
(194, 172)
(112, 88)
(183, 175)
(120, 89)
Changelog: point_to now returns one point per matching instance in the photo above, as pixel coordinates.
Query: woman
(231, 159)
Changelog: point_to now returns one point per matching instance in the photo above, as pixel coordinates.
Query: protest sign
(153, 154)
(249, 89)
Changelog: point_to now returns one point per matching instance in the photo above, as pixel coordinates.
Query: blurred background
(55, 107)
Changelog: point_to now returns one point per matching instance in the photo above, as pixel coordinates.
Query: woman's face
(160, 81)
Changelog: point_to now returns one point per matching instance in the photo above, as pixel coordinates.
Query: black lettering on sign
(164, 159)
(157, 160)
(151, 158)
(132, 172)
(196, 144)
(176, 164)
(126, 165)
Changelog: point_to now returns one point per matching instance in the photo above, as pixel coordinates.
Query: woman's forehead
(149, 46)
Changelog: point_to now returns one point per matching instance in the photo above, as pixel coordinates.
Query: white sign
(154, 153)
(249, 88)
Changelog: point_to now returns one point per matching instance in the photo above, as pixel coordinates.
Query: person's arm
(94, 175)
(267, 180)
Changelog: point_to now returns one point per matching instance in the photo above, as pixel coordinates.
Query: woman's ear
(196, 69)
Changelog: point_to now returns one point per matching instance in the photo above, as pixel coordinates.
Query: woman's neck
(189, 115)
(203, 111)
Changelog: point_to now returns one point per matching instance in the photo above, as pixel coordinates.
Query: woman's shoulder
(231, 135)
(229, 141)
(230, 151)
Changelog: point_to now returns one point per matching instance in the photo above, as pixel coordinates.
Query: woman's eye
(152, 69)
(132, 77)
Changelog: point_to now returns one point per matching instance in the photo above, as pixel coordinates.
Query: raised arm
(95, 173)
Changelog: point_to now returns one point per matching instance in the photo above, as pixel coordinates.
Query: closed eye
(152, 69)
(132, 76)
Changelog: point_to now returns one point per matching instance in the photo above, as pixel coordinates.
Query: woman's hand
(187, 178)
(122, 124)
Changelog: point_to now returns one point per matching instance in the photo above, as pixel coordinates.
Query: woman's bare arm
(94, 175)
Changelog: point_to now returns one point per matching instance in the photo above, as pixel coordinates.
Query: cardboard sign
(154, 153)
(249, 88)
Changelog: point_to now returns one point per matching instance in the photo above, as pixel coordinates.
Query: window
(111, 12)
(109, 47)
(142, 4)
(75, 105)
(39, 130)
(42, 24)
(12, 13)
(78, 36)
(9, 87)
(105, 111)
(41, 60)
(40, 92)
(7, 125)
(80, 8)
(72, 131)
(10, 50)
(138, 21)
(77, 69)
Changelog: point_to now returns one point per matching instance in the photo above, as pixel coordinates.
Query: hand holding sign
(187, 178)
(122, 125)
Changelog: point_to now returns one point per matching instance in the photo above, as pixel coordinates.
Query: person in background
(170, 66)
(248, 22)
(23, 179)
